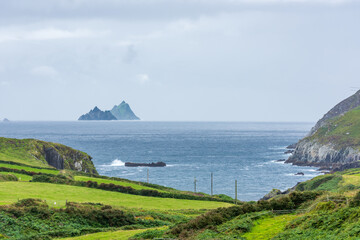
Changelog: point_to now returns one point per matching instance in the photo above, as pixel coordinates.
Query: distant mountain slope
(97, 114)
(123, 112)
(334, 142)
(341, 108)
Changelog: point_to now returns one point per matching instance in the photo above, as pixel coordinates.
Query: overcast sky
(202, 60)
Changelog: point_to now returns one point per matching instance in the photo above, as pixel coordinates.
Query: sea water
(246, 152)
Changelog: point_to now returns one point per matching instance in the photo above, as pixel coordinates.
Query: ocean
(242, 151)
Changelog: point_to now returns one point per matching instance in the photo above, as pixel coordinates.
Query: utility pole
(235, 192)
(147, 175)
(195, 184)
(212, 183)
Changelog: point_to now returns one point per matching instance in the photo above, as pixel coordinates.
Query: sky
(178, 60)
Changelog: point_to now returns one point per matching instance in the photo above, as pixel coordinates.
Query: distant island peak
(118, 112)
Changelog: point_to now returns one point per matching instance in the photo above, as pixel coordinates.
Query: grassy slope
(29, 169)
(83, 194)
(20, 151)
(343, 130)
(267, 228)
(117, 235)
(345, 183)
(31, 152)
(21, 177)
(122, 183)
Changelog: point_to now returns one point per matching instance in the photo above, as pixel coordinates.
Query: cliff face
(334, 142)
(313, 153)
(97, 114)
(42, 154)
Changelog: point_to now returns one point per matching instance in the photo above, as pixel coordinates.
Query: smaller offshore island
(157, 164)
(118, 112)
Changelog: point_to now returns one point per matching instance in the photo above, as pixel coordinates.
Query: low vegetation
(40, 202)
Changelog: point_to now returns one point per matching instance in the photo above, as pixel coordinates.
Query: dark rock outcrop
(97, 114)
(157, 164)
(53, 158)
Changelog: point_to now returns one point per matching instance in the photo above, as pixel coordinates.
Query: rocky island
(97, 114)
(157, 164)
(118, 112)
(334, 142)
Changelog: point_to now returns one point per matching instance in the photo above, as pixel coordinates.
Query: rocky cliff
(334, 142)
(97, 114)
(42, 154)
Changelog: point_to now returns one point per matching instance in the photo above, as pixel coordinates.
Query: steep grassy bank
(44, 154)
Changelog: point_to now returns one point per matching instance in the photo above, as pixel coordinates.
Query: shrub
(8, 177)
(149, 234)
(356, 201)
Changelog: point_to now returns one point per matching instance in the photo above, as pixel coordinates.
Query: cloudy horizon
(230, 60)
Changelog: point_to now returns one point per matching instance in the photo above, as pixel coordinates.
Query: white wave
(278, 148)
(116, 163)
(306, 175)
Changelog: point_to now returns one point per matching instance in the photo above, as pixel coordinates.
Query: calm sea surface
(246, 152)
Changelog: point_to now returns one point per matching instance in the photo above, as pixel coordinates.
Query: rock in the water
(291, 146)
(157, 164)
(123, 112)
(97, 114)
(299, 174)
(6, 120)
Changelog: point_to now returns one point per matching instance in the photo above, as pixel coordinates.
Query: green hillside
(343, 131)
(62, 192)
(40, 202)
(44, 154)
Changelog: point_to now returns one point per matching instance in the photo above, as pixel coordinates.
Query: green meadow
(107, 181)
(12, 191)
(29, 169)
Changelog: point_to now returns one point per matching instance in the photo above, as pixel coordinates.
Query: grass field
(269, 227)
(58, 192)
(21, 177)
(29, 169)
(118, 235)
(122, 183)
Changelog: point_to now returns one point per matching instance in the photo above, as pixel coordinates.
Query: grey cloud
(130, 54)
